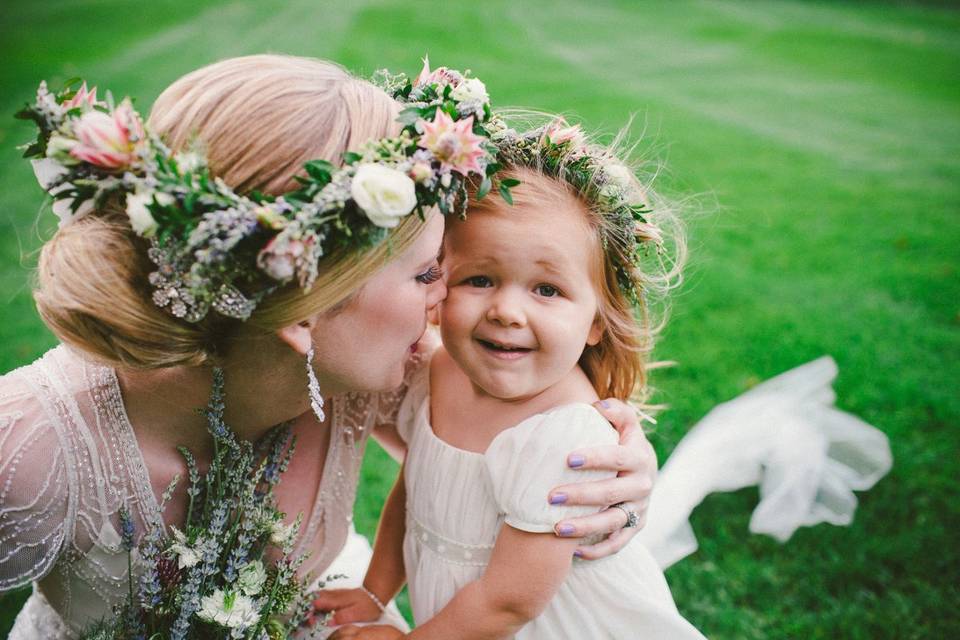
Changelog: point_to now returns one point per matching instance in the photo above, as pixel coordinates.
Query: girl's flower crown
(218, 249)
(597, 175)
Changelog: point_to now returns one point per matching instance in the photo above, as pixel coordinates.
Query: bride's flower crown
(218, 249)
(598, 176)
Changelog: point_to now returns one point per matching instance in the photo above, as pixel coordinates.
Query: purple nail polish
(565, 529)
(603, 404)
(578, 554)
(558, 498)
(576, 461)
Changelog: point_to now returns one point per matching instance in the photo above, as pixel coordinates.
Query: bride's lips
(503, 351)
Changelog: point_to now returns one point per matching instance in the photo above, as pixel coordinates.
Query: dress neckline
(427, 422)
(140, 474)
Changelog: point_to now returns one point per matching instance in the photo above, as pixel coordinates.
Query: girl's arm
(524, 573)
(635, 462)
(385, 575)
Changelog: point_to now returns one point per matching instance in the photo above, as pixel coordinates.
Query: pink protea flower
(83, 98)
(558, 132)
(441, 75)
(454, 144)
(109, 140)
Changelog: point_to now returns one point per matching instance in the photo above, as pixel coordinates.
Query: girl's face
(521, 305)
(364, 346)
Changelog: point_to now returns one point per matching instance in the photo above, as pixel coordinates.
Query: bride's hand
(636, 463)
(374, 632)
(347, 605)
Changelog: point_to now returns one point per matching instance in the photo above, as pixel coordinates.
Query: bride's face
(364, 346)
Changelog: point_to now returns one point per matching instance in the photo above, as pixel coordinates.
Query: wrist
(374, 598)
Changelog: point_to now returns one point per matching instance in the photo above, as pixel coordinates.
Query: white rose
(472, 90)
(619, 175)
(140, 217)
(384, 194)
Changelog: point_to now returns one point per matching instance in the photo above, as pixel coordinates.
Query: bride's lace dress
(69, 460)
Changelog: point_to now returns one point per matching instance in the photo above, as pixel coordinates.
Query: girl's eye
(479, 281)
(547, 291)
(431, 275)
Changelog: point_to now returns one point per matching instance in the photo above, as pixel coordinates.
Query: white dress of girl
(457, 501)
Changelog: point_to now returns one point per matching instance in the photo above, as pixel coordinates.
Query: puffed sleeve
(34, 495)
(527, 461)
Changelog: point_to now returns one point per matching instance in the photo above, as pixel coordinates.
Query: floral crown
(218, 249)
(604, 181)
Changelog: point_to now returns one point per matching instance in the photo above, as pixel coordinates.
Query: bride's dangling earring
(313, 386)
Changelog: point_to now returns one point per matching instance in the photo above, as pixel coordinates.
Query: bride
(93, 425)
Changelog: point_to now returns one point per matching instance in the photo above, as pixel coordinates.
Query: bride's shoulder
(29, 406)
(19, 388)
(57, 379)
(34, 474)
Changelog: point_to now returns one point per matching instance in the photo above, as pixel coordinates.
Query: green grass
(823, 139)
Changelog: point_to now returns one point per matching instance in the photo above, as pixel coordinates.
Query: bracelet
(372, 596)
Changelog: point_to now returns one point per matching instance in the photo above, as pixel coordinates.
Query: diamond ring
(632, 518)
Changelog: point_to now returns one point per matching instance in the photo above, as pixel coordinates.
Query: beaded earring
(313, 387)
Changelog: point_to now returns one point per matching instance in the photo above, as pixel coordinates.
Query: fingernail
(578, 554)
(603, 404)
(565, 529)
(576, 461)
(558, 498)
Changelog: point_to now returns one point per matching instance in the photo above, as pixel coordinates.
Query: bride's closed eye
(431, 275)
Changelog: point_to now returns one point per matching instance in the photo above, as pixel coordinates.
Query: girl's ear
(596, 332)
(298, 336)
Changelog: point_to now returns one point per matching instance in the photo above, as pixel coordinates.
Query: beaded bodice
(69, 459)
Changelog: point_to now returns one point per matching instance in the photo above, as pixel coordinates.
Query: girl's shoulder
(575, 424)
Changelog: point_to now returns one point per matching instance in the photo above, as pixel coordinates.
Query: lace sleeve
(34, 503)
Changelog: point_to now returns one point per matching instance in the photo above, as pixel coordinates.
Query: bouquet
(216, 578)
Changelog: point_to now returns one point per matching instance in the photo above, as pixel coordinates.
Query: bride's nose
(436, 293)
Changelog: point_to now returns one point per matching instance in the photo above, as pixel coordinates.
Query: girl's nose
(505, 309)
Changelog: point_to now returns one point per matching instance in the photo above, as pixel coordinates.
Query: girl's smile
(521, 305)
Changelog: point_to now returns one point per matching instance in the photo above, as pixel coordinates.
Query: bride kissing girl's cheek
(313, 324)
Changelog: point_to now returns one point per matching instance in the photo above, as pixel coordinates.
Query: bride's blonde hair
(258, 119)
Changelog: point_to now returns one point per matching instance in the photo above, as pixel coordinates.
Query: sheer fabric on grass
(784, 435)
(69, 459)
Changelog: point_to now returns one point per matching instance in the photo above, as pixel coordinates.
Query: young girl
(537, 325)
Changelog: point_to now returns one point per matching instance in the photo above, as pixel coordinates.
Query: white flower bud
(471, 90)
